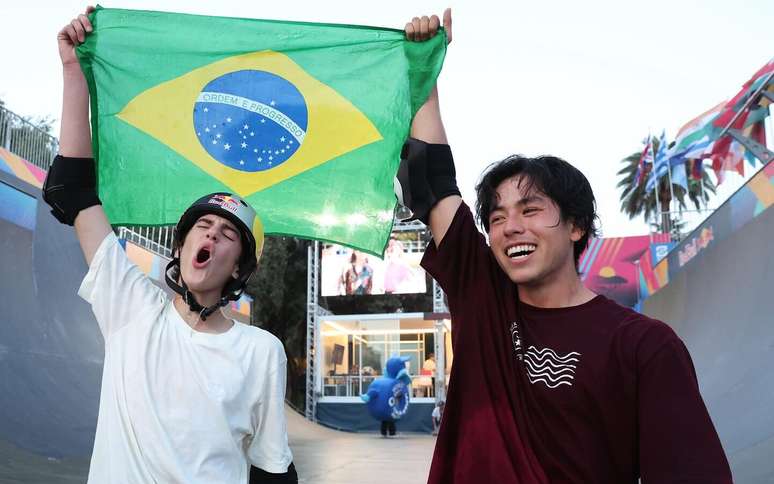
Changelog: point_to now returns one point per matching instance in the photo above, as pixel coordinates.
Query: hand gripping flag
(305, 121)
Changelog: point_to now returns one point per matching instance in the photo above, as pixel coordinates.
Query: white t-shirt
(177, 405)
(436, 413)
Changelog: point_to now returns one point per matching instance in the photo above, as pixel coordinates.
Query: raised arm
(428, 128)
(70, 187)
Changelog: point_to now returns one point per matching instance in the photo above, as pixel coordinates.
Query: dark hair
(551, 176)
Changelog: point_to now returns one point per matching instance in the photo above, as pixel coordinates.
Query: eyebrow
(522, 201)
(530, 199)
(226, 225)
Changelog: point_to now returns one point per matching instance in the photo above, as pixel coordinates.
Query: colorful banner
(609, 266)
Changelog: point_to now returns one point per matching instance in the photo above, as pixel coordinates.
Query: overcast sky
(585, 81)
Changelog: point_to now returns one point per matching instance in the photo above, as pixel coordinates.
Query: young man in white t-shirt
(187, 395)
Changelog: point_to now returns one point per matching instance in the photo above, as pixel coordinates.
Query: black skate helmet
(242, 215)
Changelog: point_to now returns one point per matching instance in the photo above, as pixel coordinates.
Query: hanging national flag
(695, 138)
(660, 162)
(305, 121)
(679, 174)
(646, 158)
(696, 168)
(733, 155)
(762, 76)
(721, 147)
(730, 159)
(738, 114)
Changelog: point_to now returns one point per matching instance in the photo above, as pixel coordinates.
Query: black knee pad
(426, 175)
(70, 186)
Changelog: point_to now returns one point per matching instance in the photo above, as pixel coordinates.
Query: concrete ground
(325, 456)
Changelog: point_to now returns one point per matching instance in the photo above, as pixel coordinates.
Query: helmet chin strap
(171, 275)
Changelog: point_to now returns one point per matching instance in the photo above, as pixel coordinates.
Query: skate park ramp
(50, 346)
(721, 304)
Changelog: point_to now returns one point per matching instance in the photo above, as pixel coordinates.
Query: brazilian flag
(305, 121)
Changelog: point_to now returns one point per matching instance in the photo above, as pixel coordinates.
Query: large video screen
(347, 272)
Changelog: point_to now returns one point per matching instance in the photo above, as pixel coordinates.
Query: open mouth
(521, 251)
(202, 257)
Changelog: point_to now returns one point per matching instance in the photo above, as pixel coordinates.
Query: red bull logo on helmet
(226, 202)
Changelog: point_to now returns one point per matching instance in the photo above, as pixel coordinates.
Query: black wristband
(426, 175)
(70, 186)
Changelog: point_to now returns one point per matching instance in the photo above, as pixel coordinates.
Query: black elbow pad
(70, 186)
(425, 176)
(260, 476)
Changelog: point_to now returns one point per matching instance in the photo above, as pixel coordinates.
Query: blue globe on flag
(250, 120)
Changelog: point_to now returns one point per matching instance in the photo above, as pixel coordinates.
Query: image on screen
(347, 272)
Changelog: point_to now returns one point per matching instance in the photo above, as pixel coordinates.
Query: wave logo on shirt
(547, 366)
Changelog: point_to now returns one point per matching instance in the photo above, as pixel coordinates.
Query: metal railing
(26, 140)
(154, 239)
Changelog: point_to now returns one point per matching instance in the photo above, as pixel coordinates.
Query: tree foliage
(278, 289)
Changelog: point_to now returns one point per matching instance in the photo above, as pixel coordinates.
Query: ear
(575, 232)
(235, 272)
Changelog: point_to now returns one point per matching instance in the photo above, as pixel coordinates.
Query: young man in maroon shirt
(551, 382)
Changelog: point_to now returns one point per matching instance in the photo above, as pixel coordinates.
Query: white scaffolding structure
(439, 307)
(314, 313)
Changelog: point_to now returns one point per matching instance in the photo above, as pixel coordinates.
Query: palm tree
(636, 200)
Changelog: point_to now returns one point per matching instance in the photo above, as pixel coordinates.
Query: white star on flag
(227, 146)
